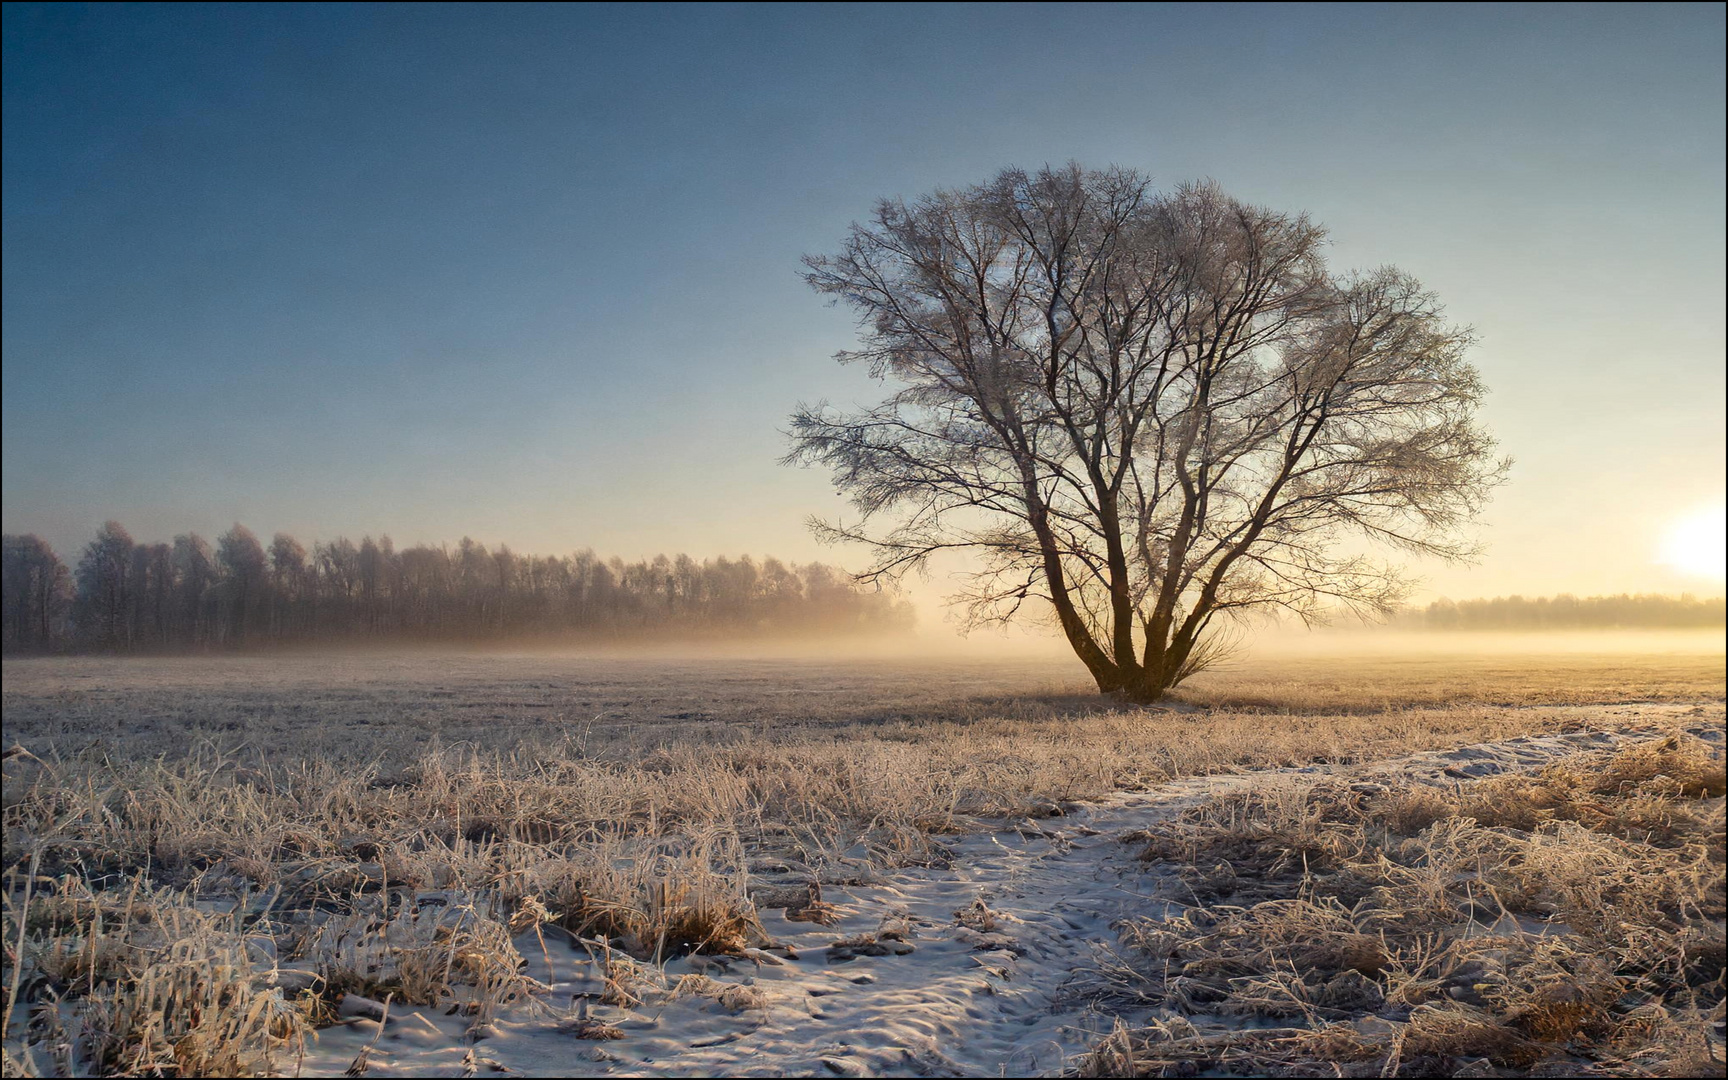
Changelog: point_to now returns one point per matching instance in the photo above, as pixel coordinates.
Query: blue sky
(531, 273)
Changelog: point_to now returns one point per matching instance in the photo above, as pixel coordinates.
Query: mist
(125, 596)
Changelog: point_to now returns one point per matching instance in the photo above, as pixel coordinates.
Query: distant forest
(1566, 612)
(125, 596)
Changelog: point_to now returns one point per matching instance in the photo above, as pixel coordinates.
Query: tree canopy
(1144, 409)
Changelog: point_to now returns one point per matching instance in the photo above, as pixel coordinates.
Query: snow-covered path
(979, 994)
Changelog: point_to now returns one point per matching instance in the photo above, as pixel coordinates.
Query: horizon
(70, 561)
(677, 616)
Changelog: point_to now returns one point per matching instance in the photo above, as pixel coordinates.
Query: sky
(531, 274)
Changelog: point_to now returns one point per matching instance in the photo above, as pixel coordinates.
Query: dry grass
(145, 983)
(1564, 923)
(1504, 675)
(205, 860)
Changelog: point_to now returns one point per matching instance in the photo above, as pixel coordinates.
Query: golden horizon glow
(1697, 544)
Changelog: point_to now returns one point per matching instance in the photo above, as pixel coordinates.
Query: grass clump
(1564, 923)
(152, 986)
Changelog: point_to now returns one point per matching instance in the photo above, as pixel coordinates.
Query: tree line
(1567, 612)
(126, 596)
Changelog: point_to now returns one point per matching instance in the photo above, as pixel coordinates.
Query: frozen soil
(974, 965)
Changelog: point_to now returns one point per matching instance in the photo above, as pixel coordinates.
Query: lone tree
(1147, 409)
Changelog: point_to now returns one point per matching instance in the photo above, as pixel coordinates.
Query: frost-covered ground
(932, 846)
(980, 968)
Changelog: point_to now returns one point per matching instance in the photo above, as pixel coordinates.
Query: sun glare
(1695, 544)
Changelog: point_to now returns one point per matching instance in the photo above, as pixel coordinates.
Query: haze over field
(367, 270)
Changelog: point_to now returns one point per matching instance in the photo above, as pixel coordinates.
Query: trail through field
(975, 967)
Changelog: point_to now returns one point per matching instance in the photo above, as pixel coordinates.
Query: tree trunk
(1145, 688)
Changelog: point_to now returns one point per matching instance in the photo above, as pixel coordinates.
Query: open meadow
(1391, 863)
(691, 540)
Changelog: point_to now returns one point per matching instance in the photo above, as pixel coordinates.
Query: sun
(1695, 544)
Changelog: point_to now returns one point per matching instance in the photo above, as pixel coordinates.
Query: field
(1309, 864)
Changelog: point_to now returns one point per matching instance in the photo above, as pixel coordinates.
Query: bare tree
(104, 603)
(194, 576)
(1145, 409)
(151, 594)
(243, 564)
(36, 594)
(287, 580)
